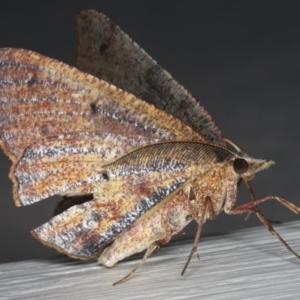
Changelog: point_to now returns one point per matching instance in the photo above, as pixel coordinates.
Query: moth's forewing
(106, 52)
(41, 97)
(135, 186)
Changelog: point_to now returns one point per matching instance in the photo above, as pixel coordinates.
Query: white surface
(247, 264)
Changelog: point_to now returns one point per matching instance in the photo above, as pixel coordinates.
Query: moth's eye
(240, 166)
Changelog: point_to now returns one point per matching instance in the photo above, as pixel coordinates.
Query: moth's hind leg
(169, 231)
(149, 251)
(141, 235)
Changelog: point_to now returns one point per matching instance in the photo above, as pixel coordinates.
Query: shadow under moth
(134, 155)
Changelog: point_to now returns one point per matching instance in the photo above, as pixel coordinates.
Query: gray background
(241, 59)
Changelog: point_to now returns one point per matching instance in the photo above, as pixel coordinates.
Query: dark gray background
(241, 59)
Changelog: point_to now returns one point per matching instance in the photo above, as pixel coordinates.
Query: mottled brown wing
(105, 51)
(84, 230)
(133, 186)
(41, 97)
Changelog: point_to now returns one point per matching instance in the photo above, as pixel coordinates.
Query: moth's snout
(256, 165)
(261, 165)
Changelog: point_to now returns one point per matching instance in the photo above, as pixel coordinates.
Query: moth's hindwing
(115, 58)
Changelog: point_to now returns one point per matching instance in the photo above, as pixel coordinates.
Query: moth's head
(246, 167)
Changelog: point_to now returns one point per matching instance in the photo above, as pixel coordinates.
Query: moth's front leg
(251, 206)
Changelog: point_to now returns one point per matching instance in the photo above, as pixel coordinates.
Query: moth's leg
(270, 228)
(149, 251)
(252, 195)
(251, 207)
(165, 222)
(207, 204)
(251, 192)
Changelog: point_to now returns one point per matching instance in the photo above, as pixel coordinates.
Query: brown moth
(134, 155)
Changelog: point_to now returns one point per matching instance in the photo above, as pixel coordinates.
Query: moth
(135, 156)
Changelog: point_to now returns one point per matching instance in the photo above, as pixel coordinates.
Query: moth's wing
(105, 51)
(41, 97)
(134, 186)
(84, 230)
(68, 164)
